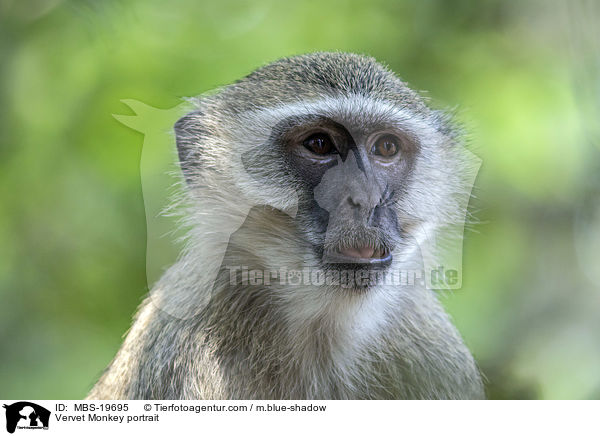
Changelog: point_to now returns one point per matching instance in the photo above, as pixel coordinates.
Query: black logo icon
(26, 415)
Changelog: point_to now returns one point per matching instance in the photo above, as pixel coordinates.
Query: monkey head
(366, 167)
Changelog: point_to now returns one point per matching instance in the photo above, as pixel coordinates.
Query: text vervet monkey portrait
(328, 164)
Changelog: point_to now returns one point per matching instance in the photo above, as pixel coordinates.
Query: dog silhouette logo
(26, 415)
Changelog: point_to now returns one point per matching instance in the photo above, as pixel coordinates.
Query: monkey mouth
(364, 255)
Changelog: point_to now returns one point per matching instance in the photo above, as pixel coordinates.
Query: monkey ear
(189, 133)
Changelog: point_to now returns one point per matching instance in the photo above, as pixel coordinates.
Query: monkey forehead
(354, 112)
(319, 74)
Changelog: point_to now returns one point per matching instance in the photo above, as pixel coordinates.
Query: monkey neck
(276, 342)
(317, 342)
(211, 337)
(311, 341)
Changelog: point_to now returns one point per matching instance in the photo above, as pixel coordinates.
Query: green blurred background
(523, 75)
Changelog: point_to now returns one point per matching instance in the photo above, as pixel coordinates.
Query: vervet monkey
(327, 164)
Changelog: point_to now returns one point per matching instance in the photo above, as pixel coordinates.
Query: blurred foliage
(524, 75)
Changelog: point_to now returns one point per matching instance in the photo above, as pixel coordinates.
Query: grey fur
(195, 340)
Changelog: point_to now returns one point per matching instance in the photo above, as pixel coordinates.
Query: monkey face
(351, 177)
(367, 179)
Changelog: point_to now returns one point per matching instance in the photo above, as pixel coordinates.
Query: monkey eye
(319, 143)
(386, 146)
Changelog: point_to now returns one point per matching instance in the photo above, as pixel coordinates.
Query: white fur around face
(237, 192)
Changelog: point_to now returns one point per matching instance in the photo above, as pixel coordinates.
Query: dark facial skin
(351, 178)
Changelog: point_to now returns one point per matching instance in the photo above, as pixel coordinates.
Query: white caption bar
(23, 417)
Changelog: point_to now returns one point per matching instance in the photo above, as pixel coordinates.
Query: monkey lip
(362, 255)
